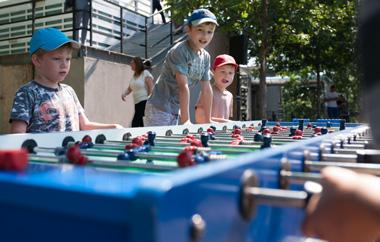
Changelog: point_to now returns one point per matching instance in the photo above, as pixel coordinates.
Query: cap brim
(204, 20)
(54, 46)
(227, 63)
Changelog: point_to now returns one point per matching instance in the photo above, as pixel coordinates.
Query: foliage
(320, 38)
(296, 99)
(296, 38)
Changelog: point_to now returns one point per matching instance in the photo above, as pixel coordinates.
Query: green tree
(296, 101)
(251, 18)
(320, 38)
(292, 38)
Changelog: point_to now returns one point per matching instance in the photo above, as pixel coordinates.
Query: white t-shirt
(332, 103)
(138, 87)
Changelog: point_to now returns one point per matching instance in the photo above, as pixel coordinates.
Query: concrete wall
(220, 44)
(105, 81)
(11, 78)
(273, 100)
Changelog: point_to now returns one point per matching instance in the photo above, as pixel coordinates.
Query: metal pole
(75, 30)
(121, 30)
(33, 14)
(238, 95)
(171, 31)
(90, 23)
(146, 38)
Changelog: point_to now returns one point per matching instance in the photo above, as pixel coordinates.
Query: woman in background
(141, 86)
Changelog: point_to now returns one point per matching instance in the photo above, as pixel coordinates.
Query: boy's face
(201, 35)
(224, 76)
(53, 67)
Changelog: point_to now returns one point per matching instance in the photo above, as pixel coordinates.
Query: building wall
(11, 78)
(16, 24)
(104, 82)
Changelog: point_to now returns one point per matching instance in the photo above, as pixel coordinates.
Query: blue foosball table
(246, 182)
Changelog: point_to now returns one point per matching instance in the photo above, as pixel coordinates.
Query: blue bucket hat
(200, 16)
(49, 39)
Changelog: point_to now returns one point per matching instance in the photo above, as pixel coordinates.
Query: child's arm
(199, 111)
(86, 124)
(18, 126)
(184, 98)
(206, 97)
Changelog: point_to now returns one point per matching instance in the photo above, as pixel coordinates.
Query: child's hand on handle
(347, 210)
(118, 126)
(187, 122)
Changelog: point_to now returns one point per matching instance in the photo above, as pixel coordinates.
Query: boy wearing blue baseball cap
(186, 64)
(45, 104)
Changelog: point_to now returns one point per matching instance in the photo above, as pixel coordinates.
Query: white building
(16, 21)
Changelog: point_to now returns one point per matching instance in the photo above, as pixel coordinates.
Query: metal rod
(90, 16)
(342, 151)
(338, 157)
(171, 30)
(277, 197)
(251, 195)
(300, 177)
(121, 30)
(242, 148)
(176, 147)
(33, 15)
(102, 163)
(138, 155)
(372, 169)
(146, 38)
(226, 140)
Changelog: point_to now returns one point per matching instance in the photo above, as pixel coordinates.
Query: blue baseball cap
(49, 39)
(200, 16)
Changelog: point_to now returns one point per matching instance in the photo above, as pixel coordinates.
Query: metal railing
(147, 21)
(110, 23)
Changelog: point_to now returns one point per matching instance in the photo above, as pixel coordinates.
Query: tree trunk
(262, 93)
(318, 98)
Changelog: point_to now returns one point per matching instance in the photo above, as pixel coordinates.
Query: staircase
(158, 40)
(105, 32)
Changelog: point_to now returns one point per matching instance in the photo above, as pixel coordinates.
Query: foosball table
(238, 181)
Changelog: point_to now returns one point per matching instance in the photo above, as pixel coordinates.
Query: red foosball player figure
(13, 160)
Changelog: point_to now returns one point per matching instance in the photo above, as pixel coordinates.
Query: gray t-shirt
(181, 58)
(47, 109)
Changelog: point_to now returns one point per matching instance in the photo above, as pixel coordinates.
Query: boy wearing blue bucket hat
(186, 64)
(45, 104)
